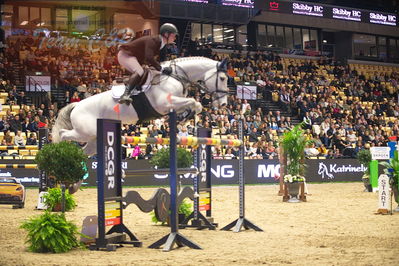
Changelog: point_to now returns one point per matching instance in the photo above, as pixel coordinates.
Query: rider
(143, 51)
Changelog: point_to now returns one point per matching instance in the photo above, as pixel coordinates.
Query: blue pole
(173, 172)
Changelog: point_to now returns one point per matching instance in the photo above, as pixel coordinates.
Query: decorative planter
(293, 191)
(57, 207)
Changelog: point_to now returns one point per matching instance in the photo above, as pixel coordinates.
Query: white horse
(78, 121)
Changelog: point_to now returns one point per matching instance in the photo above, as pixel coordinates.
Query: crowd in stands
(344, 108)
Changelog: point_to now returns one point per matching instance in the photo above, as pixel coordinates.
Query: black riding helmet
(168, 28)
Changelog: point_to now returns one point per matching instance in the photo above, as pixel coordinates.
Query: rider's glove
(167, 70)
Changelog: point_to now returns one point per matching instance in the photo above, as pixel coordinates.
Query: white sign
(41, 205)
(38, 83)
(347, 14)
(308, 10)
(383, 19)
(246, 92)
(383, 194)
(380, 153)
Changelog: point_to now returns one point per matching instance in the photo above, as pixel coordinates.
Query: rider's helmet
(168, 28)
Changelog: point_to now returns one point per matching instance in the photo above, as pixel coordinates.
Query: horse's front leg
(181, 104)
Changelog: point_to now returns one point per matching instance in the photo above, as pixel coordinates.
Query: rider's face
(171, 38)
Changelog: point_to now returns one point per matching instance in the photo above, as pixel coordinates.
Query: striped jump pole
(27, 147)
(11, 166)
(189, 141)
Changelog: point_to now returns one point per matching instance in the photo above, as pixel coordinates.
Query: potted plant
(392, 170)
(185, 209)
(53, 200)
(161, 158)
(64, 161)
(364, 157)
(294, 143)
(184, 160)
(51, 232)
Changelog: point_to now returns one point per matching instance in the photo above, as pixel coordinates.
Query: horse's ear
(222, 66)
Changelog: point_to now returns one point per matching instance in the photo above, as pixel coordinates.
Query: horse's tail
(63, 121)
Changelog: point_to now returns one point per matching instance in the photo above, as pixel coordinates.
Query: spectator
(15, 124)
(18, 139)
(75, 97)
(32, 139)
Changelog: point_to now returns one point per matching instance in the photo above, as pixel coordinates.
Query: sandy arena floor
(337, 226)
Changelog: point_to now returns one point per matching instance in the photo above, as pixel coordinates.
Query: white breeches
(130, 63)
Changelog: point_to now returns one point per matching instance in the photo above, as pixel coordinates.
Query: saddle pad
(117, 90)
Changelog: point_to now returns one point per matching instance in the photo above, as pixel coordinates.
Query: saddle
(134, 81)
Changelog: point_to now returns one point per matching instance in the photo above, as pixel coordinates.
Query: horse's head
(216, 83)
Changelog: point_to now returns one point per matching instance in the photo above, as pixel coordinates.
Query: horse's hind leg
(72, 134)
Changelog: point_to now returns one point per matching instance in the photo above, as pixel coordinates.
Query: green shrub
(51, 232)
(54, 197)
(161, 158)
(364, 157)
(186, 208)
(64, 160)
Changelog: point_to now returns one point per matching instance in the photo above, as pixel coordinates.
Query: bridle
(201, 84)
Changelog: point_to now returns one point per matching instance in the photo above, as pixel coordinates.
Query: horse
(78, 121)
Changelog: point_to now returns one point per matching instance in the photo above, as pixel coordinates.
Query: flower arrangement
(293, 178)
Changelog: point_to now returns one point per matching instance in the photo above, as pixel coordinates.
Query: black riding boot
(132, 84)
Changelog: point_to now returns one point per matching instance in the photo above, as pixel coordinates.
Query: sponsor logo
(274, 6)
(305, 9)
(268, 171)
(203, 166)
(28, 179)
(110, 160)
(223, 171)
(328, 172)
(379, 18)
(5, 174)
(323, 171)
(239, 3)
(94, 165)
(342, 13)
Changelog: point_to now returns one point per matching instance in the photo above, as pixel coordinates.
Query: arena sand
(337, 226)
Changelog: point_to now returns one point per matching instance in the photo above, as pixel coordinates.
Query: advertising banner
(330, 12)
(225, 172)
(38, 83)
(28, 177)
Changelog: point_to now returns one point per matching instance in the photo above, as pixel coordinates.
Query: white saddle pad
(117, 90)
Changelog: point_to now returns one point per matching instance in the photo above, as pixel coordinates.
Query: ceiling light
(23, 23)
(324, 41)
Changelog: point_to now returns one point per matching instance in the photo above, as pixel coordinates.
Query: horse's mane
(190, 58)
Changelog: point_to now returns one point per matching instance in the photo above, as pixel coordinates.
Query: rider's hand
(167, 70)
